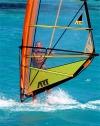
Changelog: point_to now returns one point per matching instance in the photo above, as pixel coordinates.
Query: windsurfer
(39, 55)
(38, 60)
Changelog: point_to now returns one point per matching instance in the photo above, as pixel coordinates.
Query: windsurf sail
(67, 47)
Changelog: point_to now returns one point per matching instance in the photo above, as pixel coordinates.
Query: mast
(27, 40)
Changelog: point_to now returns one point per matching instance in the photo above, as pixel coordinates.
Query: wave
(57, 100)
(12, 5)
(22, 5)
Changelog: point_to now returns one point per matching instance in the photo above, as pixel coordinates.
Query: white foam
(60, 97)
(96, 102)
(57, 100)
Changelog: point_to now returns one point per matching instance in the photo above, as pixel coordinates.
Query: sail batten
(61, 27)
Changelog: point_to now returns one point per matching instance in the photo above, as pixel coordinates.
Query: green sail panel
(51, 76)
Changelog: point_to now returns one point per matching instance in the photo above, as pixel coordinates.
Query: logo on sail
(79, 20)
(43, 83)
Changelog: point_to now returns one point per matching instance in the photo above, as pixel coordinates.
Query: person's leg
(33, 97)
(48, 91)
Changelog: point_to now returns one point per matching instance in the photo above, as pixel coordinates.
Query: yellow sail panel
(51, 76)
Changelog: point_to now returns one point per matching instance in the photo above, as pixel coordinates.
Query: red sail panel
(28, 33)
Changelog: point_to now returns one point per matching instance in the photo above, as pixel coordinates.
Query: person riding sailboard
(38, 55)
(38, 60)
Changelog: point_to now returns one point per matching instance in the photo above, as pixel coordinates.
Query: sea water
(75, 103)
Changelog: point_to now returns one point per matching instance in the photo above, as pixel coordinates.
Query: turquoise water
(75, 103)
